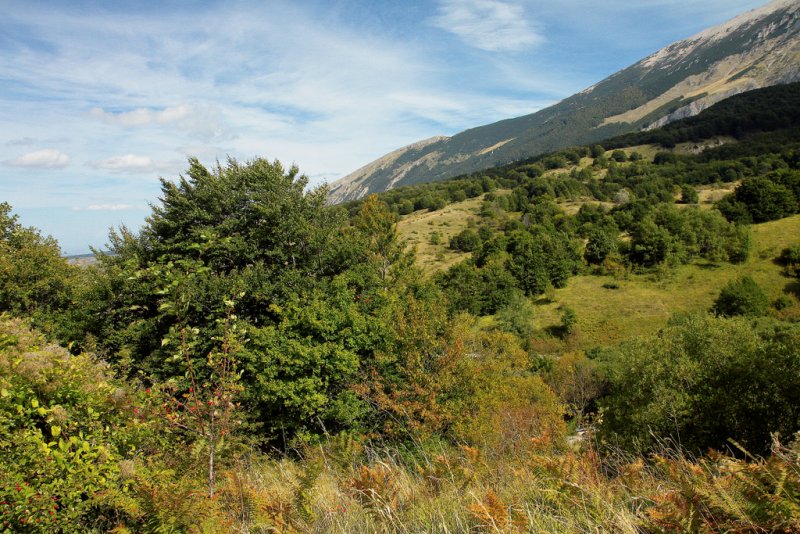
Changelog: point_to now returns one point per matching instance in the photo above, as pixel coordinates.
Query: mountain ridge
(756, 49)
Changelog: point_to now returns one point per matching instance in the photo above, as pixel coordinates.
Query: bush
(701, 381)
(741, 297)
(518, 317)
(766, 200)
(782, 302)
(62, 435)
(465, 241)
(790, 259)
(689, 195)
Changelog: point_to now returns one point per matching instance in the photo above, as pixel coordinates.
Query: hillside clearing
(611, 309)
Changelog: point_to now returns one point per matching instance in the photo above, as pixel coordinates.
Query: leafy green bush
(741, 297)
(466, 241)
(702, 381)
(689, 195)
(790, 259)
(64, 429)
(765, 199)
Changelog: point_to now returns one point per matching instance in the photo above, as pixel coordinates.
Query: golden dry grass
(417, 228)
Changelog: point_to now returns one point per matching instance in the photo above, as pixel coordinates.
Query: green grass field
(642, 303)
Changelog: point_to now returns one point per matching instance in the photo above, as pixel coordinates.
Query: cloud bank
(47, 158)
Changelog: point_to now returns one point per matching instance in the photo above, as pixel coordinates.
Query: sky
(100, 99)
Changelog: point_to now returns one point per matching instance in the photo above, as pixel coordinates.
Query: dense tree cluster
(702, 381)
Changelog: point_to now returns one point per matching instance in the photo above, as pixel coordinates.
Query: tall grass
(349, 486)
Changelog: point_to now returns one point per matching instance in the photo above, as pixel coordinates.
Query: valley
(582, 320)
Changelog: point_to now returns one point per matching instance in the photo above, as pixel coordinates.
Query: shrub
(466, 241)
(62, 435)
(518, 317)
(765, 199)
(701, 381)
(689, 195)
(782, 302)
(741, 297)
(790, 259)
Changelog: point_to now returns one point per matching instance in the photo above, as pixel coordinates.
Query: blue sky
(98, 99)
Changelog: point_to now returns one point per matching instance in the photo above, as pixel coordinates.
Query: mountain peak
(756, 49)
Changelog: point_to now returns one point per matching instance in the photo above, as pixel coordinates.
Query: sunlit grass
(611, 309)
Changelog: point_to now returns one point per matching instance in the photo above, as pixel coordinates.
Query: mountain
(757, 49)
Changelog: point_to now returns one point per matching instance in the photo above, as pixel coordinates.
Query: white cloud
(107, 207)
(204, 121)
(126, 163)
(48, 158)
(490, 25)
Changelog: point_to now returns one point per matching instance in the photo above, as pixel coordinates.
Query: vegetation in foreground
(253, 360)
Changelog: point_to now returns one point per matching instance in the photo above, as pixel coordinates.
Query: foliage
(465, 241)
(741, 297)
(722, 494)
(518, 317)
(702, 381)
(790, 259)
(63, 432)
(306, 284)
(34, 278)
(540, 258)
(766, 200)
(689, 195)
(602, 242)
(577, 381)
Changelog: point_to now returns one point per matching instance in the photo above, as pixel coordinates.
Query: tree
(602, 242)
(517, 317)
(34, 277)
(466, 241)
(577, 380)
(405, 207)
(741, 297)
(689, 195)
(766, 200)
(702, 381)
(651, 244)
(312, 288)
(790, 259)
(549, 257)
(376, 227)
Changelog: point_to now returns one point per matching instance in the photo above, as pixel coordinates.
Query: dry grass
(446, 489)
(416, 229)
(435, 489)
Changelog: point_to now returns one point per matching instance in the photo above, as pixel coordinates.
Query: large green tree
(34, 277)
(306, 283)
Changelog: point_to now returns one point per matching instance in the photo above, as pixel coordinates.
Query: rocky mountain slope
(757, 49)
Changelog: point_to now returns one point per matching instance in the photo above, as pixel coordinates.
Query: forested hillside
(610, 343)
(755, 50)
